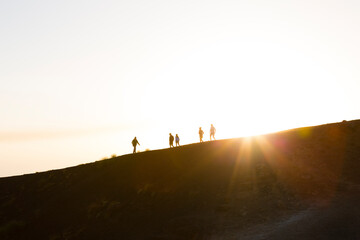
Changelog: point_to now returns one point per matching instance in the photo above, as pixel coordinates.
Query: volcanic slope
(297, 184)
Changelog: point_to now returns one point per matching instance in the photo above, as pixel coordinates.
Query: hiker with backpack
(171, 140)
(177, 140)
(135, 143)
(201, 134)
(212, 132)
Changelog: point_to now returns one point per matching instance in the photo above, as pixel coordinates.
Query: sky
(80, 79)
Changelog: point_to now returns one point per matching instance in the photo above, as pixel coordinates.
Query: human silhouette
(212, 132)
(177, 140)
(135, 143)
(201, 134)
(171, 140)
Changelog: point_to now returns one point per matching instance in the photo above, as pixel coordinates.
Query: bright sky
(80, 79)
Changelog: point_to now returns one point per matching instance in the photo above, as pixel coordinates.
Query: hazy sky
(80, 79)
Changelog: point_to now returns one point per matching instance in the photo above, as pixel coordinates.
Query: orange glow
(306, 164)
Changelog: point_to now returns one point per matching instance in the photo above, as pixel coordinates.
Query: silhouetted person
(135, 143)
(201, 134)
(171, 140)
(212, 132)
(177, 140)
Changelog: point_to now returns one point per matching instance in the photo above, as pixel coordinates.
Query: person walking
(135, 143)
(177, 140)
(201, 134)
(212, 132)
(171, 140)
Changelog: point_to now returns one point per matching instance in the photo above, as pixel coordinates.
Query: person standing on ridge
(201, 134)
(171, 140)
(177, 140)
(212, 132)
(134, 143)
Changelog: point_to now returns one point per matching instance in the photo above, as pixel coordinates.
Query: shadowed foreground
(298, 184)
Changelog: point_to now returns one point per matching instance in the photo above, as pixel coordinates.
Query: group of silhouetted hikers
(171, 140)
(135, 142)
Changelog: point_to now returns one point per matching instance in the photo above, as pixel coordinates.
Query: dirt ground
(297, 184)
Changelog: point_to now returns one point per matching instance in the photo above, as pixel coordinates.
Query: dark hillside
(298, 184)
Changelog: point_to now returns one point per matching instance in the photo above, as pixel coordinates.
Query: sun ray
(242, 159)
